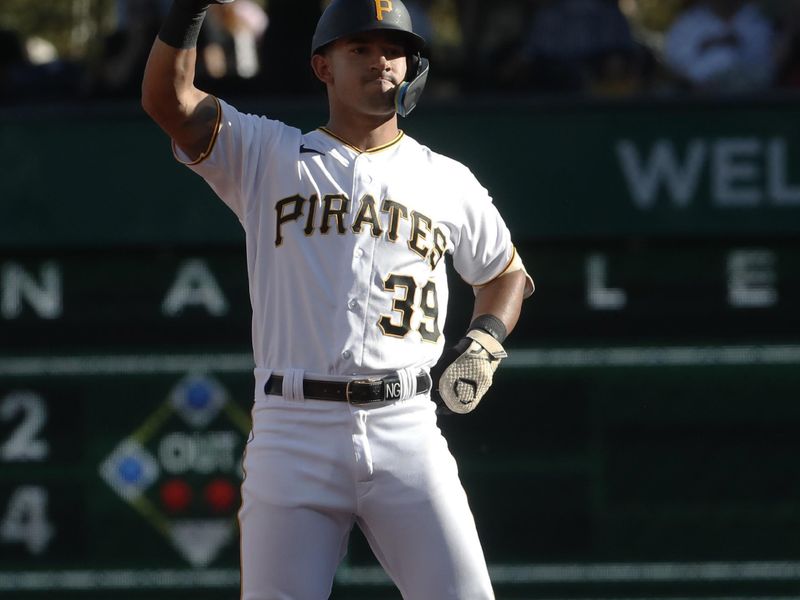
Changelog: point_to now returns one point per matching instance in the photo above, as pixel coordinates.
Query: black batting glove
(181, 27)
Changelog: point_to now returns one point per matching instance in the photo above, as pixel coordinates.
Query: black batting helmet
(347, 17)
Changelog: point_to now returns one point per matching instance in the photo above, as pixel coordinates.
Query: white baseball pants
(315, 468)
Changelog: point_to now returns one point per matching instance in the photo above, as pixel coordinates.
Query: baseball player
(346, 228)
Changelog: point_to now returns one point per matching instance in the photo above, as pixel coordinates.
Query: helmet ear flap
(412, 70)
(409, 91)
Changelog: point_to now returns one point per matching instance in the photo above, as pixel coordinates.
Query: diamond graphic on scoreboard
(198, 399)
(181, 469)
(200, 540)
(130, 470)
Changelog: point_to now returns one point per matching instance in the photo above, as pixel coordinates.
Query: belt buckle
(347, 392)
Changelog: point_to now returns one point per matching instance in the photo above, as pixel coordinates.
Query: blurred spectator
(437, 22)
(490, 35)
(30, 69)
(651, 17)
(447, 42)
(286, 49)
(13, 62)
(118, 68)
(126, 11)
(786, 15)
(40, 51)
(420, 17)
(721, 45)
(577, 45)
(232, 37)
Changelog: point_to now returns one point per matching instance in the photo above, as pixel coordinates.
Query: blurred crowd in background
(79, 49)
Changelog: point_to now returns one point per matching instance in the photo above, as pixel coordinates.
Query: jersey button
(359, 253)
(352, 303)
(346, 354)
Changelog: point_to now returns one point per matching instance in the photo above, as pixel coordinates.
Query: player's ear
(320, 64)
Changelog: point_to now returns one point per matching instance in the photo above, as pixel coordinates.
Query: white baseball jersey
(345, 258)
(345, 247)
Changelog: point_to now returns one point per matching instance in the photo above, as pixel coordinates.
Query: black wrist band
(182, 26)
(491, 325)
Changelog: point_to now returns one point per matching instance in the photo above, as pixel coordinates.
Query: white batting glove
(467, 377)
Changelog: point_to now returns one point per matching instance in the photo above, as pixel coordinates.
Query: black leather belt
(359, 391)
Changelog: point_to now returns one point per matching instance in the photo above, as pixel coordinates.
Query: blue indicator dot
(130, 469)
(198, 395)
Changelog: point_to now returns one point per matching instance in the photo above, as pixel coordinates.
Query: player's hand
(464, 373)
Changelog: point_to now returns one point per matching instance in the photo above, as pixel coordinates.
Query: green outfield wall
(709, 169)
(640, 441)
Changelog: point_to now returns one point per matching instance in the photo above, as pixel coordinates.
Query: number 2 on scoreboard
(24, 443)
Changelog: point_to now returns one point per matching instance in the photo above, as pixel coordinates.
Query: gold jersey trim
(501, 273)
(515, 264)
(397, 138)
(205, 154)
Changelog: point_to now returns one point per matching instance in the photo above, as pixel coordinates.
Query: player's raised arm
(169, 96)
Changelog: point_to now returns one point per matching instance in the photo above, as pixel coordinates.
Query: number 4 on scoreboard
(25, 520)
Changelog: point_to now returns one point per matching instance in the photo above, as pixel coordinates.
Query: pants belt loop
(293, 384)
(261, 378)
(408, 383)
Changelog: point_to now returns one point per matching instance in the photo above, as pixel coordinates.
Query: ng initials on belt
(357, 391)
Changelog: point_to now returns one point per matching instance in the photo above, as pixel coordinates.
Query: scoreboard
(639, 441)
(611, 291)
(699, 291)
(645, 416)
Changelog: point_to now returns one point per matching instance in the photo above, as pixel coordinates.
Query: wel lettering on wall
(744, 172)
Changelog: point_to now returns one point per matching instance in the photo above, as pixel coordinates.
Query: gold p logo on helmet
(382, 6)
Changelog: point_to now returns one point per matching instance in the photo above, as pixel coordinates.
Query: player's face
(362, 71)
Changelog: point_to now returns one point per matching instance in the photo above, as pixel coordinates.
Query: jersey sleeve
(240, 155)
(482, 249)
